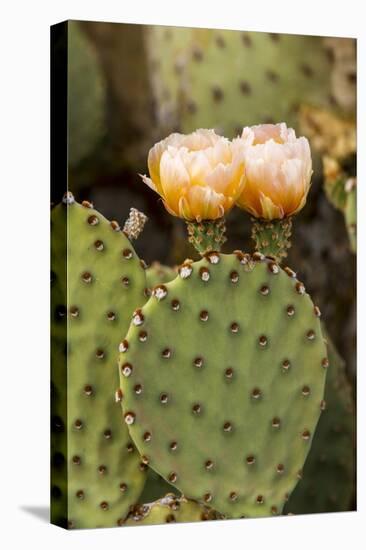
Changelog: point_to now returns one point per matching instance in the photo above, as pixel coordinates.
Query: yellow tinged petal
(184, 210)
(269, 210)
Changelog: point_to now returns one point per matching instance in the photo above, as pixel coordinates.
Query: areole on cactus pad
(222, 374)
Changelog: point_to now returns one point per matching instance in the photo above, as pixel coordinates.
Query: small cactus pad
(328, 481)
(170, 509)
(93, 456)
(341, 191)
(223, 380)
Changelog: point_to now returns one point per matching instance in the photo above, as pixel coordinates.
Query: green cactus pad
(223, 374)
(328, 483)
(336, 193)
(342, 194)
(170, 509)
(225, 79)
(93, 457)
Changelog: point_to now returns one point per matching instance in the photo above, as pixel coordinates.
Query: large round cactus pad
(223, 374)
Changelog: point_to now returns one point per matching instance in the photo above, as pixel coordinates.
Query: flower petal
(205, 204)
(174, 179)
(270, 211)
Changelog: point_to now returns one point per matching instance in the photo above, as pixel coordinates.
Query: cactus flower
(278, 171)
(199, 176)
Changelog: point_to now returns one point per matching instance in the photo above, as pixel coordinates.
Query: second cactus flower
(278, 171)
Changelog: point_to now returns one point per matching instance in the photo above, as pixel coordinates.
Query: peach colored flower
(278, 171)
(199, 176)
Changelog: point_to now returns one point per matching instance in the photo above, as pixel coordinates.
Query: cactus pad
(223, 374)
(170, 509)
(341, 191)
(93, 457)
(226, 79)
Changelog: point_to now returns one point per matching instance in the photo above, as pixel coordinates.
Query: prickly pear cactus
(335, 137)
(171, 509)
(227, 79)
(97, 473)
(223, 374)
(341, 191)
(329, 473)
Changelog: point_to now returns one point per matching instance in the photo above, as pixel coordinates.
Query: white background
(24, 271)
